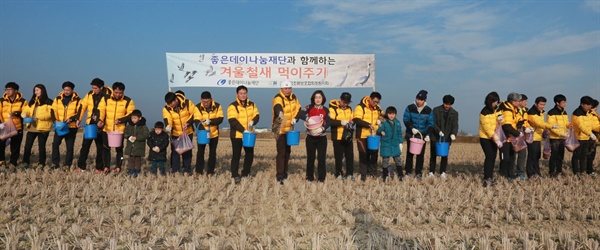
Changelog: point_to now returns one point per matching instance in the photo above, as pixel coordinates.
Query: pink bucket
(416, 145)
(115, 139)
(314, 124)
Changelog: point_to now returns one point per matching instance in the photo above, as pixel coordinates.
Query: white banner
(268, 70)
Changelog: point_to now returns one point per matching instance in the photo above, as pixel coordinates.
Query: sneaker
(67, 168)
(54, 167)
(23, 165)
(79, 170)
(419, 176)
(350, 177)
(97, 171)
(40, 166)
(431, 174)
(106, 170)
(237, 180)
(280, 181)
(340, 177)
(443, 176)
(117, 170)
(522, 176)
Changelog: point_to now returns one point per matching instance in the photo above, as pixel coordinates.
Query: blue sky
(463, 48)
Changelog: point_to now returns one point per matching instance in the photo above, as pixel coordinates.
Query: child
(158, 143)
(136, 134)
(391, 143)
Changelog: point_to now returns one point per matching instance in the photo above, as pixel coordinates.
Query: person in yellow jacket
(489, 118)
(12, 104)
(211, 116)
(242, 115)
(94, 103)
(584, 126)
(367, 120)
(524, 126)
(179, 115)
(539, 125)
(65, 107)
(118, 112)
(559, 116)
(39, 109)
(286, 108)
(341, 135)
(509, 126)
(595, 121)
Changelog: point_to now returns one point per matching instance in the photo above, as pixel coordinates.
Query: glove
(382, 133)
(246, 131)
(2, 126)
(427, 138)
(131, 139)
(555, 126)
(414, 131)
(251, 123)
(401, 146)
(520, 134)
(500, 118)
(156, 149)
(168, 128)
(593, 137)
(344, 123)
(528, 130)
(206, 122)
(378, 122)
(452, 137)
(294, 121)
(280, 115)
(566, 134)
(499, 144)
(441, 134)
(23, 115)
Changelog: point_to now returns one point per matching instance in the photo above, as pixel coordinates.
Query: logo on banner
(221, 82)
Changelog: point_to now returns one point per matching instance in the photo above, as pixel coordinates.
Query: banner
(269, 70)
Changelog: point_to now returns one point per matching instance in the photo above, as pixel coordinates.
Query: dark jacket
(447, 124)
(392, 139)
(141, 133)
(422, 121)
(162, 142)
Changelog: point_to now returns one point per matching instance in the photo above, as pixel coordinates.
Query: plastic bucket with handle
(373, 142)
(248, 139)
(203, 136)
(90, 131)
(115, 139)
(416, 145)
(61, 128)
(442, 147)
(292, 137)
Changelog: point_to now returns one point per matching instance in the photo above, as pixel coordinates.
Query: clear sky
(463, 48)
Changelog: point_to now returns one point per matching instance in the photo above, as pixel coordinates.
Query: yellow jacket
(180, 115)
(66, 112)
(536, 120)
(560, 117)
(510, 121)
(290, 106)
(337, 115)
(42, 112)
(9, 107)
(364, 116)
(584, 123)
(95, 104)
(488, 120)
(214, 113)
(239, 115)
(117, 110)
(523, 117)
(596, 122)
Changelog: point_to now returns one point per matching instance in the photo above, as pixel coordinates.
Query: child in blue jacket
(391, 143)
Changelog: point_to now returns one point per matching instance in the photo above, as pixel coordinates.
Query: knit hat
(422, 95)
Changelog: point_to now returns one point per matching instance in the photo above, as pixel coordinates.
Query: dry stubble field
(59, 210)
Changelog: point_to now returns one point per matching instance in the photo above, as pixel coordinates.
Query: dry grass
(58, 210)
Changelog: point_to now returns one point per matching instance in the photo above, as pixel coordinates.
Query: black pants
(367, 158)
(507, 160)
(580, 157)
(212, 156)
(409, 159)
(591, 157)
(237, 145)
(106, 153)
(316, 147)
(70, 143)
(283, 157)
(490, 150)
(433, 158)
(343, 149)
(176, 158)
(557, 155)
(42, 138)
(85, 151)
(15, 148)
(534, 152)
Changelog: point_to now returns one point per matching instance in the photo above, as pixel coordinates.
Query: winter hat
(422, 95)
(286, 84)
(347, 97)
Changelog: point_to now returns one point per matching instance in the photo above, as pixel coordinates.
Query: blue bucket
(442, 148)
(61, 128)
(293, 138)
(373, 142)
(249, 139)
(27, 120)
(203, 136)
(90, 131)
